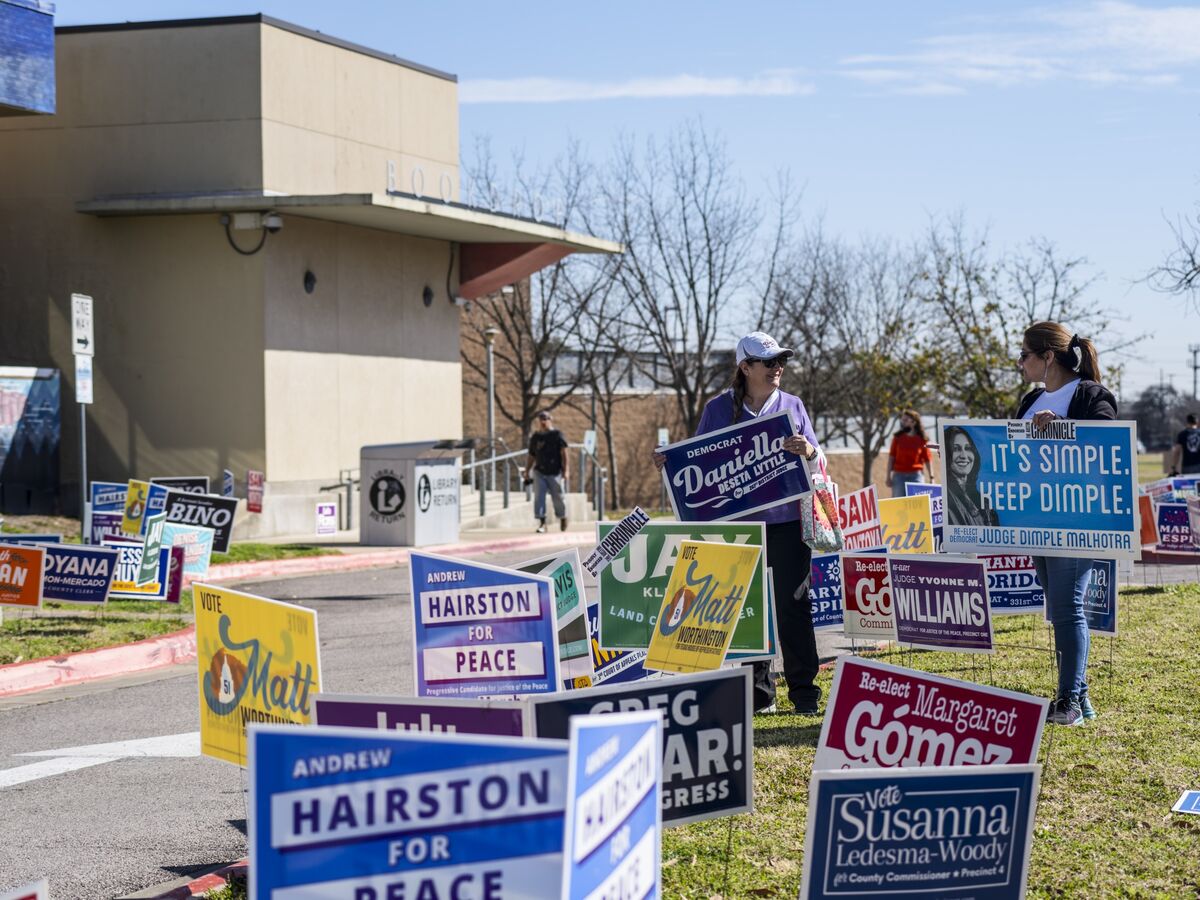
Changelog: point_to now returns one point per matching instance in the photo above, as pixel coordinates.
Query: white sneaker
(541, 529)
(767, 711)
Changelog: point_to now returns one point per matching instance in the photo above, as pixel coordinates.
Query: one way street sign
(83, 341)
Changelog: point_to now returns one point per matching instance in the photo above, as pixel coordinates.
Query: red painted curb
(198, 887)
(348, 562)
(124, 659)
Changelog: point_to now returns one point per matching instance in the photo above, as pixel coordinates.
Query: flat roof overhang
(496, 249)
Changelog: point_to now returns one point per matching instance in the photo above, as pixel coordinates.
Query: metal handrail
(487, 466)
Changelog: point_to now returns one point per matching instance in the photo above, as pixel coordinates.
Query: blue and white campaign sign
(1188, 802)
(1100, 601)
(730, 473)
(613, 842)
(825, 592)
(227, 483)
(949, 831)
(129, 562)
(353, 814)
(708, 755)
(156, 502)
(1013, 585)
(612, 666)
(108, 496)
(33, 539)
(936, 506)
(76, 573)
(481, 630)
(197, 544)
(1066, 489)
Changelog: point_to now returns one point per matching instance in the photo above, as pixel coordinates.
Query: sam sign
(858, 515)
(259, 661)
(355, 815)
(1066, 489)
(883, 717)
(736, 471)
(481, 630)
(613, 841)
(254, 490)
(958, 831)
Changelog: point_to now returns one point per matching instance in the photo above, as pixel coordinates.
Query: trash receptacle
(409, 494)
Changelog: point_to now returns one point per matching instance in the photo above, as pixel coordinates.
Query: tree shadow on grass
(787, 735)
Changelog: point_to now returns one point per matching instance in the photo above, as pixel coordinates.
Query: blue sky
(1077, 121)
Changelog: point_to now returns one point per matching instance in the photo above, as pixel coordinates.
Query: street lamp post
(489, 337)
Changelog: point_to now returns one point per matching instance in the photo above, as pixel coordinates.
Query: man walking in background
(548, 461)
(1185, 455)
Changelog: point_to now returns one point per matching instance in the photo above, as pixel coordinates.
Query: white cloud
(1103, 42)
(781, 83)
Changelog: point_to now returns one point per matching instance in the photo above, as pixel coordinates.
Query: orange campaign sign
(22, 571)
(1149, 520)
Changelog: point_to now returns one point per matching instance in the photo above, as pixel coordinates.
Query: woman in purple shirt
(755, 392)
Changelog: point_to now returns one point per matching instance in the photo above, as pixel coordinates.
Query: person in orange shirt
(909, 457)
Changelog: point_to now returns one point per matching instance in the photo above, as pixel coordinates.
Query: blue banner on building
(708, 760)
(30, 429)
(952, 831)
(481, 630)
(365, 815)
(613, 843)
(825, 592)
(734, 472)
(76, 573)
(1066, 489)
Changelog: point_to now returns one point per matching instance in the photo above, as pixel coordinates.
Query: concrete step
(519, 513)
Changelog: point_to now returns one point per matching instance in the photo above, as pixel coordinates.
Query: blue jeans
(900, 479)
(1065, 581)
(542, 484)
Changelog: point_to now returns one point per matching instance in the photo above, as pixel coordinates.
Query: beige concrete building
(267, 219)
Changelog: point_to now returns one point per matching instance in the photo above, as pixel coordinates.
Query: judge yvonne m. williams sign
(953, 831)
(734, 472)
(1066, 489)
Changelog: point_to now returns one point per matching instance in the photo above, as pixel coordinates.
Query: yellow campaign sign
(136, 495)
(701, 606)
(907, 524)
(259, 662)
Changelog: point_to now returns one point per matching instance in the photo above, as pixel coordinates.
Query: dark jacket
(1091, 400)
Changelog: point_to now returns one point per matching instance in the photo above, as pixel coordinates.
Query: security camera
(273, 222)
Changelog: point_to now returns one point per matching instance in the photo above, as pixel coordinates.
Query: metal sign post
(83, 345)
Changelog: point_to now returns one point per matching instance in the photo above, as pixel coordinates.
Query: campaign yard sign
(614, 541)
(137, 496)
(33, 538)
(347, 813)
(1100, 599)
(736, 471)
(104, 525)
(612, 666)
(960, 831)
(151, 546)
(107, 496)
(76, 573)
(259, 660)
(191, 484)
(708, 741)
(941, 603)
(858, 516)
(633, 586)
(906, 524)
(613, 841)
(1066, 489)
(570, 609)
(936, 507)
(701, 607)
(1013, 585)
(255, 481)
(427, 714)
(207, 510)
(867, 598)
(825, 592)
(196, 541)
(1188, 802)
(22, 569)
(1193, 512)
(881, 716)
(1175, 529)
(129, 564)
(481, 630)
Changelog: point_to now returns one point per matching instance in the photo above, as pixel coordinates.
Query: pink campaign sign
(883, 716)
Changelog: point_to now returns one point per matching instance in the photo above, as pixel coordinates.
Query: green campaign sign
(632, 586)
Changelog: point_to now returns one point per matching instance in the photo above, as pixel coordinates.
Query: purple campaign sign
(495, 717)
(940, 603)
(105, 526)
(731, 473)
(1174, 529)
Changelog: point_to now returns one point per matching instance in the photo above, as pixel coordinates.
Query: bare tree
(1180, 271)
(692, 235)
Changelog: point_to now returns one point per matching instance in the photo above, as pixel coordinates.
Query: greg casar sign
(207, 510)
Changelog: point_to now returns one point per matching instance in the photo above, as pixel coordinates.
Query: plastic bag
(819, 518)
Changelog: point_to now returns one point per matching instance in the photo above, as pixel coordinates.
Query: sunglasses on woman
(777, 362)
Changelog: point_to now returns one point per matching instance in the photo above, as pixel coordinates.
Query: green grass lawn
(250, 551)
(1103, 826)
(69, 628)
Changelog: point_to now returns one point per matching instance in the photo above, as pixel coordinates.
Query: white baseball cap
(759, 345)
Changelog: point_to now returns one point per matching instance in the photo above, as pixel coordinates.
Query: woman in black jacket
(1068, 367)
